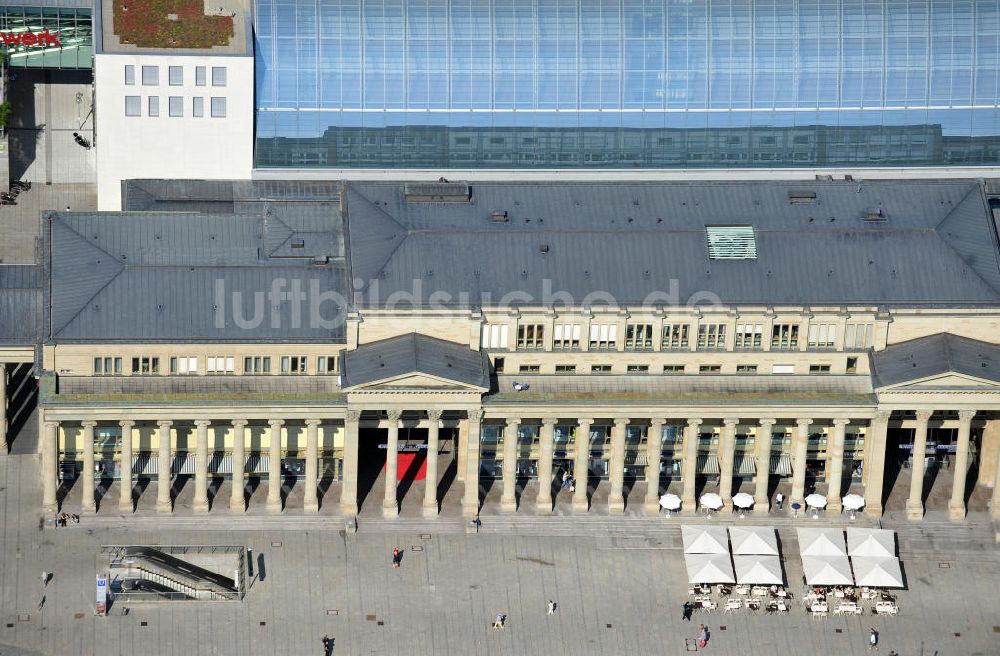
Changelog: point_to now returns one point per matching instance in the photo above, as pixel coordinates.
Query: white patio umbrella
(709, 568)
(871, 543)
(821, 542)
(877, 572)
(753, 540)
(853, 502)
(711, 500)
(670, 502)
(742, 500)
(827, 570)
(705, 539)
(816, 501)
(758, 570)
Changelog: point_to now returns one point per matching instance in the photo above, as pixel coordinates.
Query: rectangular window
(603, 336)
(529, 369)
(530, 336)
(257, 365)
(150, 76)
(218, 107)
(637, 369)
(858, 336)
(600, 368)
(175, 75)
(852, 365)
(749, 335)
(129, 74)
(154, 106)
(566, 337)
(709, 368)
(133, 106)
(822, 335)
(184, 365)
(746, 368)
(176, 106)
(108, 366)
(783, 369)
(199, 76)
(494, 336)
(819, 368)
(639, 337)
(218, 76)
(673, 368)
(565, 368)
(675, 336)
(145, 365)
(293, 364)
(326, 364)
(712, 336)
(197, 107)
(785, 336)
(498, 364)
(220, 365)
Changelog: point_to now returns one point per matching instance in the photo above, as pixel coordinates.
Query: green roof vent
(731, 242)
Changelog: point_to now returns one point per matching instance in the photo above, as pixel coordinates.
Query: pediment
(416, 382)
(945, 382)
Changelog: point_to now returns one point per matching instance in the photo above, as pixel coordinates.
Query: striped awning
(708, 464)
(781, 465)
(639, 459)
(746, 466)
(218, 463)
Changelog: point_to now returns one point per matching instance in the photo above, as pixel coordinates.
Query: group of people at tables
(771, 598)
(847, 600)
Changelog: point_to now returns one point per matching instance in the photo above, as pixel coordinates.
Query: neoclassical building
(831, 336)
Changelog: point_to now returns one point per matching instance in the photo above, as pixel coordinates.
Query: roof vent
(321, 260)
(801, 197)
(544, 248)
(874, 215)
(298, 243)
(731, 242)
(437, 192)
(499, 216)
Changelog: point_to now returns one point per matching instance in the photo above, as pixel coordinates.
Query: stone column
(390, 504)
(200, 504)
(995, 501)
(543, 501)
(654, 453)
(237, 502)
(163, 462)
(3, 409)
(727, 456)
(616, 470)
(762, 451)
(689, 470)
(800, 448)
(460, 454)
(88, 502)
(125, 478)
(50, 465)
(433, 446)
(349, 482)
(273, 503)
(956, 507)
(310, 501)
(915, 502)
(470, 502)
(874, 464)
(835, 474)
(581, 466)
(508, 501)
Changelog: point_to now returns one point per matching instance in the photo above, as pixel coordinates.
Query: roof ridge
(937, 230)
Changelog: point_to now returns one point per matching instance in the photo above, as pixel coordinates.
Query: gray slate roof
(938, 245)
(20, 304)
(934, 355)
(414, 354)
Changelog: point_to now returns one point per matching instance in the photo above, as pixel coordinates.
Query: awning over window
(781, 465)
(708, 464)
(746, 466)
(638, 459)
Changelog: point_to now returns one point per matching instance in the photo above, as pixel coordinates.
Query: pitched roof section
(20, 304)
(414, 353)
(934, 355)
(933, 245)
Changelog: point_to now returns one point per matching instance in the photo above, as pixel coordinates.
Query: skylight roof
(731, 242)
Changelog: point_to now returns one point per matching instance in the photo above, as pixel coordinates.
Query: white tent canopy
(754, 540)
(670, 502)
(853, 502)
(816, 501)
(758, 570)
(742, 500)
(878, 572)
(827, 570)
(821, 542)
(871, 542)
(711, 500)
(709, 568)
(705, 539)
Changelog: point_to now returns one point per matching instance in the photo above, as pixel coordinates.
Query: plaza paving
(619, 584)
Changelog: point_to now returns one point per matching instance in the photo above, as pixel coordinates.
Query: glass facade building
(627, 83)
(73, 26)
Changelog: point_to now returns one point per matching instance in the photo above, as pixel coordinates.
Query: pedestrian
(779, 499)
(551, 607)
(702, 635)
(397, 556)
(45, 578)
(499, 621)
(478, 523)
(567, 480)
(327, 645)
(76, 518)
(688, 611)
(872, 639)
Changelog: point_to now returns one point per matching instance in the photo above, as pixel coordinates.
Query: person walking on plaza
(551, 607)
(779, 500)
(688, 611)
(567, 480)
(397, 557)
(702, 635)
(45, 578)
(872, 639)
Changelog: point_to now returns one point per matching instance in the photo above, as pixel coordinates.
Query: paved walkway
(619, 584)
